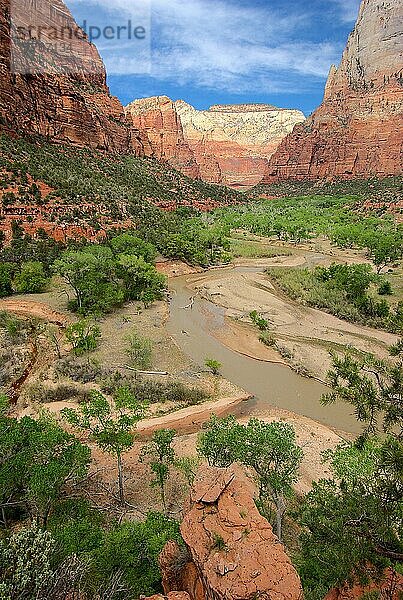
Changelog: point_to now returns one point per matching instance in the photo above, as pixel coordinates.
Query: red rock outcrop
(233, 552)
(57, 93)
(226, 145)
(357, 130)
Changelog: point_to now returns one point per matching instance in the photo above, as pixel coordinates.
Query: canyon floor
(308, 333)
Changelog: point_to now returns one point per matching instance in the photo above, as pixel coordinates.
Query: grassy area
(364, 306)
(252, 249)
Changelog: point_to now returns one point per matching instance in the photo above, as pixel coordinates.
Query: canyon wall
(59, 92)
(227, 145)
(357, 130)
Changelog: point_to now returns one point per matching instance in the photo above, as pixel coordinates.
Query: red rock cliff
(158, 119)
(357, 130)
(68, 102)
(233, 552)
(227, 145)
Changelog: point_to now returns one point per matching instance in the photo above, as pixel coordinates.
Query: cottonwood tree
(269, 448)
(110, 424)
(37, 460)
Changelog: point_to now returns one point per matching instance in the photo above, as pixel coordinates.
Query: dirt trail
(34, 309)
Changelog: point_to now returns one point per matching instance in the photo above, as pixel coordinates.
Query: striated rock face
(158, 119)
(226, 144)
(69, 102)
(357, 131)
(233, 552)
(232, 143)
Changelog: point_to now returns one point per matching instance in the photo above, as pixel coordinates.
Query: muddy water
(271, 384)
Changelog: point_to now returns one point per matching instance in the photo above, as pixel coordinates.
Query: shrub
(133, 548)
(31, 279)
(84, 336)
(139, 351)
(213, 365)
(6, 278)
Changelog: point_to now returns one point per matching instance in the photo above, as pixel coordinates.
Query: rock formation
(232, 552)
(226, 144)
(59, 94)
(357, 130)
(158, 119)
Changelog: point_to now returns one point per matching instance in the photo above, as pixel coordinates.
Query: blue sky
(224, 51)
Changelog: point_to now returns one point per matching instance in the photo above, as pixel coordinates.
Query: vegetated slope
(356, 132)
(61, 188)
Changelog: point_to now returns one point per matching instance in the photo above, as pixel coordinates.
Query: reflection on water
(271, 384)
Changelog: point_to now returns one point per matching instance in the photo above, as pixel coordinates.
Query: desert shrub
(385, 289)
(84, 371)
(37, 392)
(259, 321)
(76, 527)
(267, 338)
(146, 390)
(139, 351)
(84, 336)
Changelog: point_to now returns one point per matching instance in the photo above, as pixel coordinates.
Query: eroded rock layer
(63, 93)
(233, 552)
(357, 130)
(226, 144)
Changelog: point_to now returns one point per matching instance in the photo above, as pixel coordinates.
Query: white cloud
(221, 44)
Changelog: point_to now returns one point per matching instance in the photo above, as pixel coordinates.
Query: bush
(31, 279)
(78, 370)
(146, 390)
(84, 336)
(267, 339)
(133, 549)
(139, 351)
(385, 289)
(213, 365)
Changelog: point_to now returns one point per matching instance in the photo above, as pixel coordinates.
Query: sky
(221, 51)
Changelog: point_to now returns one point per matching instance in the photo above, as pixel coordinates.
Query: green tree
(6, 279)
(162, 455)
(110, 424)
(352, 524)
(142, 280)
(126, 243)
(31, 278)
(37, 460)
(84, 336)
(269, 448)
(373, 387)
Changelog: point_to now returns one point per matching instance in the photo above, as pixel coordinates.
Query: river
(271, 384)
